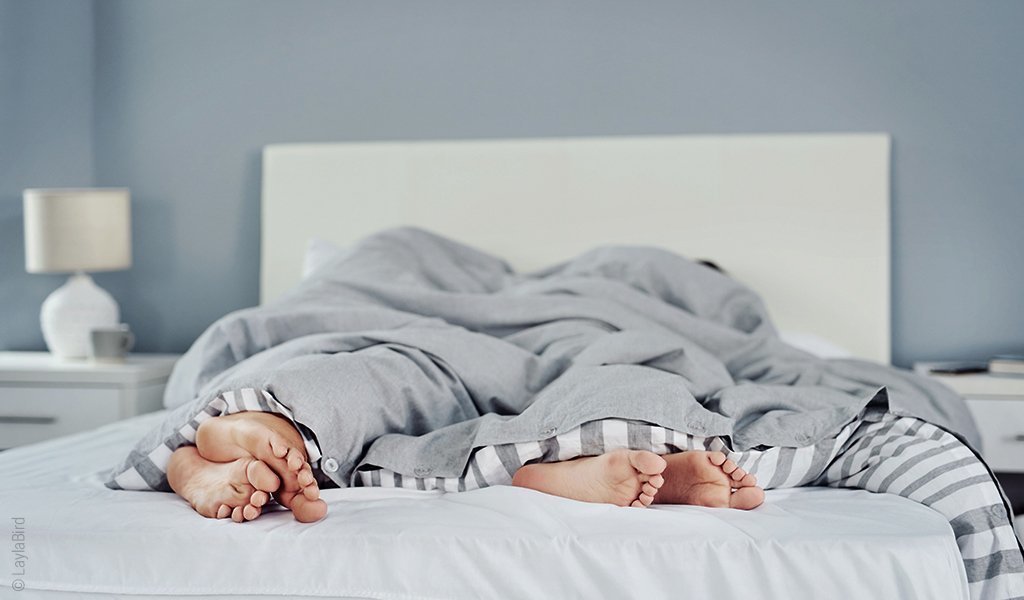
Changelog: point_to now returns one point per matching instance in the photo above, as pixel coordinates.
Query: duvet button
(330, 465)
(549, 431)
(422, 471)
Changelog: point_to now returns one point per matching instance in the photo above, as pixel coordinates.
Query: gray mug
(110, 344)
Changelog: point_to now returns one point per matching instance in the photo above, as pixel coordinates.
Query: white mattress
(497, 542)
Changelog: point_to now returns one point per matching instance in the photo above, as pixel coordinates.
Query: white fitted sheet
(496, 542)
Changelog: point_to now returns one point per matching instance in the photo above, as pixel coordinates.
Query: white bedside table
(42, 397)
(997, 404)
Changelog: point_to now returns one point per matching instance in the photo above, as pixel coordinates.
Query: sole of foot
(273, 440)
(237, 489)
(621, 477)
(702, 478)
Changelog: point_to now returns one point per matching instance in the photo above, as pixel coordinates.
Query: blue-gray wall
(187, 92)
(46, 120)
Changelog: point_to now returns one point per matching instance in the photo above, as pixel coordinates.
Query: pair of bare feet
(638, 478)
(242, 460)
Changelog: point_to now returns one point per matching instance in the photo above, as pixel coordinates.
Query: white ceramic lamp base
(72, 311)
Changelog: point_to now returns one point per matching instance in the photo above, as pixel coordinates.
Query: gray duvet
(411, 350)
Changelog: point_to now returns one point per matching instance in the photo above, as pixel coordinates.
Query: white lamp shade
(69, 230)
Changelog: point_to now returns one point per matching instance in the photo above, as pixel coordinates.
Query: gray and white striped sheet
(495, 465)
(879, 452)
(147, 472)
(919, 461)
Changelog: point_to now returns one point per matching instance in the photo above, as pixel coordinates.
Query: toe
(738, 474)
(308, 483)
(746, 498)
(237, 515)
(748, 480)
(645, 499)
(250, 512)
(259, 498)
(224, 511)
(645, 462)
(637, 504)
(295, 459)
(308, 511)
(278, 445)
(657, 481)
(716, 458)
(261, 476)
(311, 492)
(649, 489)
(728, 467)
(304, 510)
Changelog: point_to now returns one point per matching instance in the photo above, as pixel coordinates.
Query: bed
(499, 542)
(685, 193)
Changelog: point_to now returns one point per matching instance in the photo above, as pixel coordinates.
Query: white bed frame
(803, 219)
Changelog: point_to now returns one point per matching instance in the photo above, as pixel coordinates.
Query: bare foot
(236, 489)
(708, 479)
(273, 440)
(621, 477)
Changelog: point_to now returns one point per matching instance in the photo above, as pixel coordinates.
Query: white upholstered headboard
(803, 219)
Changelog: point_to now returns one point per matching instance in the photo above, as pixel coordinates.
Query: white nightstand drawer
(42, 397)
(1002, 428)
(30, 414)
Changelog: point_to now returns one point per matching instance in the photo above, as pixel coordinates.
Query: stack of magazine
(1007, 364)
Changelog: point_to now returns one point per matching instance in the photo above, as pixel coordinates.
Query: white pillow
(318, 253)
(814, 344)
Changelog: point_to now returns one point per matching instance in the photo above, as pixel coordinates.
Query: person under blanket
(626, 375)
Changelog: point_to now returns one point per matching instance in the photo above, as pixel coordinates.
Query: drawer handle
(17, 420)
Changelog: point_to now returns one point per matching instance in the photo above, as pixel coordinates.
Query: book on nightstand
(1006, 364)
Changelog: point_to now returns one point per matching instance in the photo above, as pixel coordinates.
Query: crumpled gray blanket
(411, 350)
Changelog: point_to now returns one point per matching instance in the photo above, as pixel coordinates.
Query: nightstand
(997, 404)
(42, 397)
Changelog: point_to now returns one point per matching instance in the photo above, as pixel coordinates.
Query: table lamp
(75, 231)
